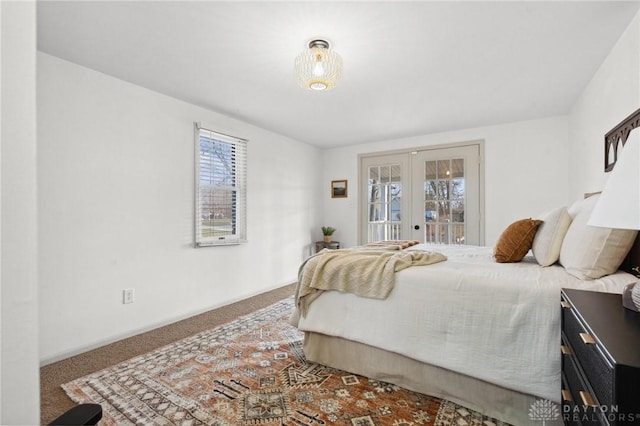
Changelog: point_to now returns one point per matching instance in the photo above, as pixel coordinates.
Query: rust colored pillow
(516, 240)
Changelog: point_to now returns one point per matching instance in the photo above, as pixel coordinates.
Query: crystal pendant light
(318, 68)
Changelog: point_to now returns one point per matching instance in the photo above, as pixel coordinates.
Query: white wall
(116, 196)
(612, 94)
(20, 387)
(525, 173)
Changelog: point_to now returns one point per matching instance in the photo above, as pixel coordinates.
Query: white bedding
(496, 322)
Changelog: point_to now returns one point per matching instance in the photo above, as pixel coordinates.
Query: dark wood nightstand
(600, 359)
(322, 245)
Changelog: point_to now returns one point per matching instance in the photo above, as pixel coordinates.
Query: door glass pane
(375, 212)
(373, 193)
(385, 174)
(457, 212)
(457, 168)
(457, 189)
(444, 169)
(443, 234)
(443, 190)
(430, 211)
(457, 236)
(430, 190)
(374, 175)
(430, 170)
(396, 173)
(443, 212)
(430, 233)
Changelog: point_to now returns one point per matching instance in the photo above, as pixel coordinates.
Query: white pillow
(589, 252)
(578, 205)
(548, 240)
(575, 208)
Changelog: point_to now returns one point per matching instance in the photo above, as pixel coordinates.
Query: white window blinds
(221, 188)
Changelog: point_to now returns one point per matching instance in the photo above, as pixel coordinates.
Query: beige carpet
(54, 401)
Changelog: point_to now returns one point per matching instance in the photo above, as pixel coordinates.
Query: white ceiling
(410, 68)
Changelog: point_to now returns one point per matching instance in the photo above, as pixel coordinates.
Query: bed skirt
(492, 400)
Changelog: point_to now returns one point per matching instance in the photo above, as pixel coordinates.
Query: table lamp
(619, 203)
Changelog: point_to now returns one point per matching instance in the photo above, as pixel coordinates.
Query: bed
(469, 329)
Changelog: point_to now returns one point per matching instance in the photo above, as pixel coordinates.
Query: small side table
(333, 245)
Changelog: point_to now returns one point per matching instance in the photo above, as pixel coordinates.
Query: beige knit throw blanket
(366, 273)
(392, 244)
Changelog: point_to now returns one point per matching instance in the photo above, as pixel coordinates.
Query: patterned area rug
(252, 371)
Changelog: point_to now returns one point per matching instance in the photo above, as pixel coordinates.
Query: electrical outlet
(128, 295)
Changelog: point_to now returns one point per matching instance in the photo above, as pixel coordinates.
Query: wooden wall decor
(616, 138)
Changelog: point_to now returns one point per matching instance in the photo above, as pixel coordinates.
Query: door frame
(362, 193)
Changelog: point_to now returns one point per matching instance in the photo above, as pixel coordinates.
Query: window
(221, 188)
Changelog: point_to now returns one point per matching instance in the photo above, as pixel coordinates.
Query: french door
(430, 195)
(446, 195)
(384, 180)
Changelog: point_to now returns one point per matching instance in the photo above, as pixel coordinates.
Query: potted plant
(328, 231)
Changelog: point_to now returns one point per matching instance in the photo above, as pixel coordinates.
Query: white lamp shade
(619, 203)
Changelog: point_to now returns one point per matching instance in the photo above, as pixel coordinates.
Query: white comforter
(495, 322)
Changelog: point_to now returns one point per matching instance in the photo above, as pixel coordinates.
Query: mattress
(499, 323)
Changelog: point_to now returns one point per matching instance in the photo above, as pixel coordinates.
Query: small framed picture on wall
(338, 188)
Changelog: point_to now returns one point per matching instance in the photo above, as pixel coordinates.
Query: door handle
(416, 227)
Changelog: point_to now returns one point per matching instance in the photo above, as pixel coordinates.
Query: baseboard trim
(168, 321)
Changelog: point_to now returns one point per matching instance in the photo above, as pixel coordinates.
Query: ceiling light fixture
(318, 68)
